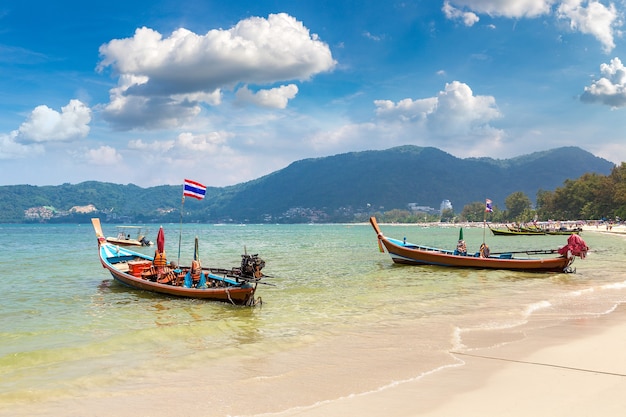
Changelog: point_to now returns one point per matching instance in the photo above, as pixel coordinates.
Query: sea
(336, 317)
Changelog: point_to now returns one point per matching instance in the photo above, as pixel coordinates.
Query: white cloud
(130, 111)
(173, 74)
(104, 155)
(454, 119)
(507, 8)
(273, 98)
(596, 19)
(45, 124)
(451, 12)
(187, 145)
(207, 143)
(406, 109)
(610, 89)
(459, 111)
(10, 148)
(455, 111)
(348, 137)
(156, 147)
(590, 17)
(370, 36)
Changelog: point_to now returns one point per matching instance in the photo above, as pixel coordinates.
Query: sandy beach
(575, 369)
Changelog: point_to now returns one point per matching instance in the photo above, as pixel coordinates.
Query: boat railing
(419, 247)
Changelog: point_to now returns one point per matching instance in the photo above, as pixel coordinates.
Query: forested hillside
(322, 189)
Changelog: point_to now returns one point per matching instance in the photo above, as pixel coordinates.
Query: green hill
(334, 186)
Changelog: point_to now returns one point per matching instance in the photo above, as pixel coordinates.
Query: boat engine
(251, 266)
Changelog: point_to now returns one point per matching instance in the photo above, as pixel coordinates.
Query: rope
(539, 364)
(230, 299)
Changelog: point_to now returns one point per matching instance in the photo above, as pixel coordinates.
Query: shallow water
(341, 320)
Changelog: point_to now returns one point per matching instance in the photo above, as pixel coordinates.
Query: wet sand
(577, 368)
(573, 369)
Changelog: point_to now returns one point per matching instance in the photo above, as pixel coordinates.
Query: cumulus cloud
(276, 98)
(156, 147)
(506, 8)
(451, 12)
(596, 19)
(203, 143)
(453, 119)
(174, 74)
(45, 124)
(186, 145)
(590, 17)
(407, 109)
(455, 111)
(127, 112)
(10, 148)
(104, 155)
(610, 89)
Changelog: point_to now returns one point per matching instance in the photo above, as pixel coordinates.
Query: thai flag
(194, 189)
(488, 207)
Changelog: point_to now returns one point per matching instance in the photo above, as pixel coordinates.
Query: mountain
(395, 177)
(345, 183)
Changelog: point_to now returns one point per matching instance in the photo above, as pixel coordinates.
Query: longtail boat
(403, 252)
(534, 231)
(124, 238)
(235, 285)
(515, 232)
(564, 231)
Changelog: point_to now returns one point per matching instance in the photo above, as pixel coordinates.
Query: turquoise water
(66, 327)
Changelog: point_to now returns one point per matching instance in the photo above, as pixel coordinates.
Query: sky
(153, 92)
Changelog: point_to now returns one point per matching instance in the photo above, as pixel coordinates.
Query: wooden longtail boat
(513, 232)
(564, 231)
(124, 238)
(402, 252)
(136, 270)
(533, 231)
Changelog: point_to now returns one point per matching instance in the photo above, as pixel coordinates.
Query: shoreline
(574, 369)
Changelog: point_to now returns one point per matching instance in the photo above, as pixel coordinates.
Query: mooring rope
(228, 294)
(539, 364)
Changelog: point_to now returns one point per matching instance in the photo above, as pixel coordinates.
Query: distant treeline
(349, 187)
(590, 197)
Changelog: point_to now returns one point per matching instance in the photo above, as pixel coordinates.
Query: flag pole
(488, 209)
(484, 224)
(180, 230)
(191, 189)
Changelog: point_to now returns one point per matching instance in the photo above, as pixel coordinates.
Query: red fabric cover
(576, 245)
(161, 240)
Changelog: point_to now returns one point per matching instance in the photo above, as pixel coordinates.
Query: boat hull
(532, 232)
(410, 254)
(120, 263)
(508, 232)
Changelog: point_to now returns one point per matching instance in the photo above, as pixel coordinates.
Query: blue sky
(152, 92)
